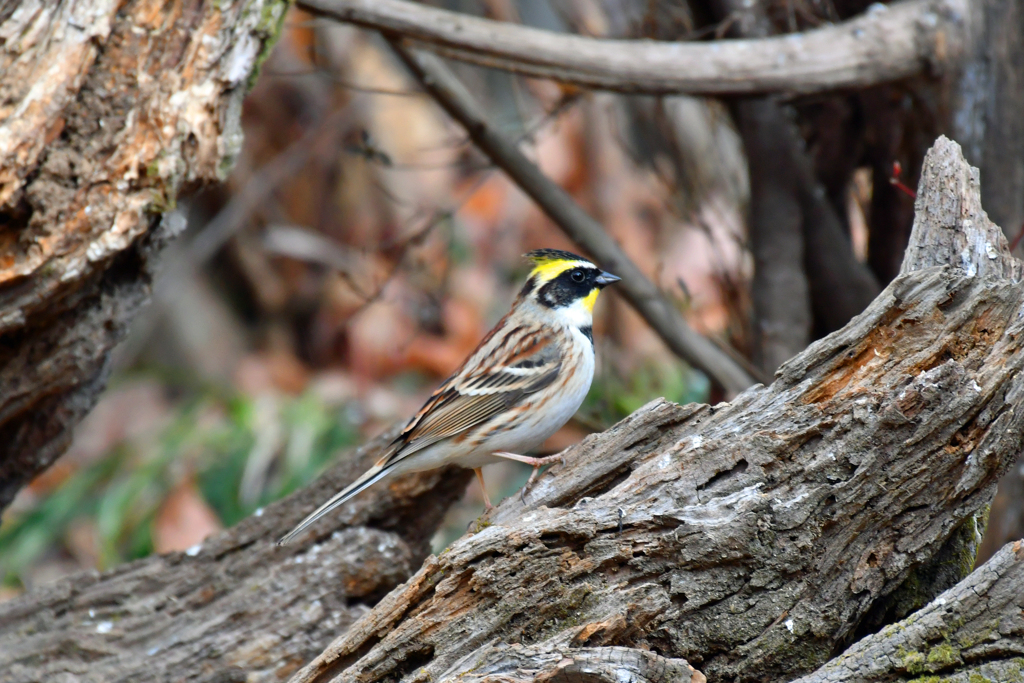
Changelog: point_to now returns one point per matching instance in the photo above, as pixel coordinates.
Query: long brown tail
(369, 478)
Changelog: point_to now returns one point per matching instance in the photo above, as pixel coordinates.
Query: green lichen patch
(943, 655)
(912, 661)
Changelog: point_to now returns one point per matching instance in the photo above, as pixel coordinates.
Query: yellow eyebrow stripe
(549, 270)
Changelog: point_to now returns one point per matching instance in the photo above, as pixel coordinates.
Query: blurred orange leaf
(184, 519)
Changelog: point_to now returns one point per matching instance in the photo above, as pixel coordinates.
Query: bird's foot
(483, 488)
(537, 463)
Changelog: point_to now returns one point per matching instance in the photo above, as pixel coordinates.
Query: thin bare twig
(575, 222)
(342, 83)
(888, 44)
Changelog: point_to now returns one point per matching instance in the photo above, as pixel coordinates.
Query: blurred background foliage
(357, 253)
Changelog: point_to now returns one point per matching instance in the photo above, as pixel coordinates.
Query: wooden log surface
(107, 111)
(972, 633)
(750, 539)
(238, 607)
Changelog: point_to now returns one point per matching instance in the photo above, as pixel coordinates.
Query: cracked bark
(108, 111)
(750, 539)
(971, 633)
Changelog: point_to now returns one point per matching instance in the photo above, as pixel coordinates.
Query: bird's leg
(537, 463)
(487, 501)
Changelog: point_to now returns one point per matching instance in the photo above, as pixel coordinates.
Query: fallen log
(753, 539)
(749, 541)
(972, 633)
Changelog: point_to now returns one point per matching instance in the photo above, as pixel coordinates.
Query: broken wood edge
(950, 225)
(514, 663)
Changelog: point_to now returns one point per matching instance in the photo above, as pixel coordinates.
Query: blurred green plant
(243, 452)
(613, 397)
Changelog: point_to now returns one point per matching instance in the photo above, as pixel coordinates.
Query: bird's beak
(605, 279)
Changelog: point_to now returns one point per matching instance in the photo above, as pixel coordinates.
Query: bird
(526, 378)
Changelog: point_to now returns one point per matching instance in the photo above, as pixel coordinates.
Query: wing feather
(483, 387)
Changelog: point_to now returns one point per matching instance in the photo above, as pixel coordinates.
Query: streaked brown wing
(504, 369)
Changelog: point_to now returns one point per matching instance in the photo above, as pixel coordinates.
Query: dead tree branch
(751, 539)
(897, 41)
(110, 109)
(645, 297)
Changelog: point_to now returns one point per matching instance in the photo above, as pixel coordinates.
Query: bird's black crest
(539, 256)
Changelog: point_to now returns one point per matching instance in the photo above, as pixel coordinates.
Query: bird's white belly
(545, 412)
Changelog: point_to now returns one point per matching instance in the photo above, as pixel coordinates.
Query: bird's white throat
(576, 314)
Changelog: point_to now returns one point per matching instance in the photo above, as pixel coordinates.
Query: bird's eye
(577, 275)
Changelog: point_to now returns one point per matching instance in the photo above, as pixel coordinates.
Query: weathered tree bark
(237, 608)
(987, 100)
(107, 111)
(972, 633)
(751, 539)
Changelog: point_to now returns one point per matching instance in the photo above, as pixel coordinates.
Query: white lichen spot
(104, 627)
(73, 270)
(259, 512)
(990, 251)
(720, 510)
(242, 59)
(968, 265)
(194, 550)
(789, 625)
